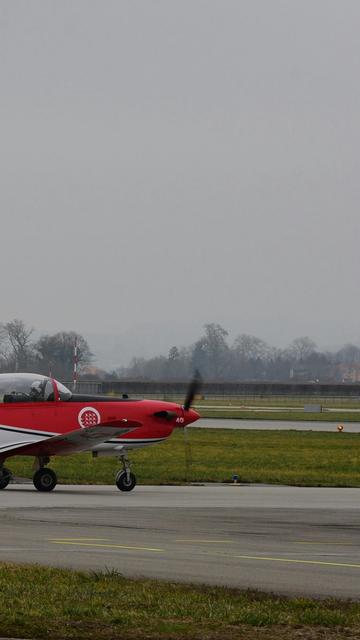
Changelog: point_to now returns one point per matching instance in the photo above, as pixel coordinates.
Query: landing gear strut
(5, 477)
(44, 479)
(125, 480)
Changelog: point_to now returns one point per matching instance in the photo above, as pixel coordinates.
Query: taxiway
(273, 425)
(284, 539)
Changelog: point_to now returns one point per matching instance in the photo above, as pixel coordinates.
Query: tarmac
(289, 540)
(274, 425)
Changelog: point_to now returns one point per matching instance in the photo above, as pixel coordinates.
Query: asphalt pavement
(290, 540)
(274, 425)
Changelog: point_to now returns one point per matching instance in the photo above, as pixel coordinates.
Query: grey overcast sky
(166, 163)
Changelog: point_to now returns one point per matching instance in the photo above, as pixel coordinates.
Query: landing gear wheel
(5, 477)
(123, 483)
(44, 479)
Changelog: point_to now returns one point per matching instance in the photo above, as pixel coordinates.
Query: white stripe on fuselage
(15, 437)
(27, 430)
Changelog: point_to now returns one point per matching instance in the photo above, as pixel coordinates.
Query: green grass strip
(39, 602)
(301, 458)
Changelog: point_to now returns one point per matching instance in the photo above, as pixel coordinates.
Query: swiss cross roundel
(88, 417)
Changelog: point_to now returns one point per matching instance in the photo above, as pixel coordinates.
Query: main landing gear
(5, 477)
(44, 479)
(125, 480)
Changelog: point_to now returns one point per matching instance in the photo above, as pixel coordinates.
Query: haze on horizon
(170, 163)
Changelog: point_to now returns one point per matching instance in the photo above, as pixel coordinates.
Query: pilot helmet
(36, 388)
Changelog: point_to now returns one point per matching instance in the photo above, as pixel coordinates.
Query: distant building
(349, 372)
(300, 373)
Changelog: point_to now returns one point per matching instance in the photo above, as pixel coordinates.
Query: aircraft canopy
(30, 387)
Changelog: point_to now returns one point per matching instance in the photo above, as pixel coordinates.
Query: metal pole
(75, 364)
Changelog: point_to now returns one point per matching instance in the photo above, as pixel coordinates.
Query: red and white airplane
(40, 417)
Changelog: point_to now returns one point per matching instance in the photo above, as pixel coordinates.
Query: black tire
(123, 483)
(44, 479)
(5, 477)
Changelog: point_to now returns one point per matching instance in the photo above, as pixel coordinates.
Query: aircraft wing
(77, 440)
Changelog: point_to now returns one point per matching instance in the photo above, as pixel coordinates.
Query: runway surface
(283, 539)
(274, 425)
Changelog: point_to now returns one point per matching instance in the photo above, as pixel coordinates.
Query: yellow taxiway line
(78, 539)
(100, 543)
(104, 546)
(295, 561)
(205, 541)
(325, 542)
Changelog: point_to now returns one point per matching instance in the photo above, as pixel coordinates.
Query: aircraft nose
(191, 416)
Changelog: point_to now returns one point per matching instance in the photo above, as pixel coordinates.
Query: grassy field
(277, 408)
(303, 458)
(280, 401)
(330, 402)
(61, 604)
(280, 414)
(280, 408)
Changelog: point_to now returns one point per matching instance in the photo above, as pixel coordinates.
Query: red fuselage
(32, 422)
(40, 417)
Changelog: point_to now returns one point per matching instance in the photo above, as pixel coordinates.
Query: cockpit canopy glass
(30, 387)
(64, 392)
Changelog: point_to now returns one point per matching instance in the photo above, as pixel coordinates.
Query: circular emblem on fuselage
(88, 417)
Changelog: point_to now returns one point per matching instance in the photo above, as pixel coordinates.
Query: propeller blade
(193, 389)
(188, 455)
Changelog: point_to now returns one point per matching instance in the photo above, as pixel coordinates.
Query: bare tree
(19, 336)
(251, 348)
(3, 347)
(173, 354)
(211, 352)
(349, 354)
(302, 348)
(56, 353)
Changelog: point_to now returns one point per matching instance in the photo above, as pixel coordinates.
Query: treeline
(247, 358)
(49, 354)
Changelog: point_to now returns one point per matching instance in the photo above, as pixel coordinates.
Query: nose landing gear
(125, 480)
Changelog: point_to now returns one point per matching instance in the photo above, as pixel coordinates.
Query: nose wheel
(125, 480)
(125, 483)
